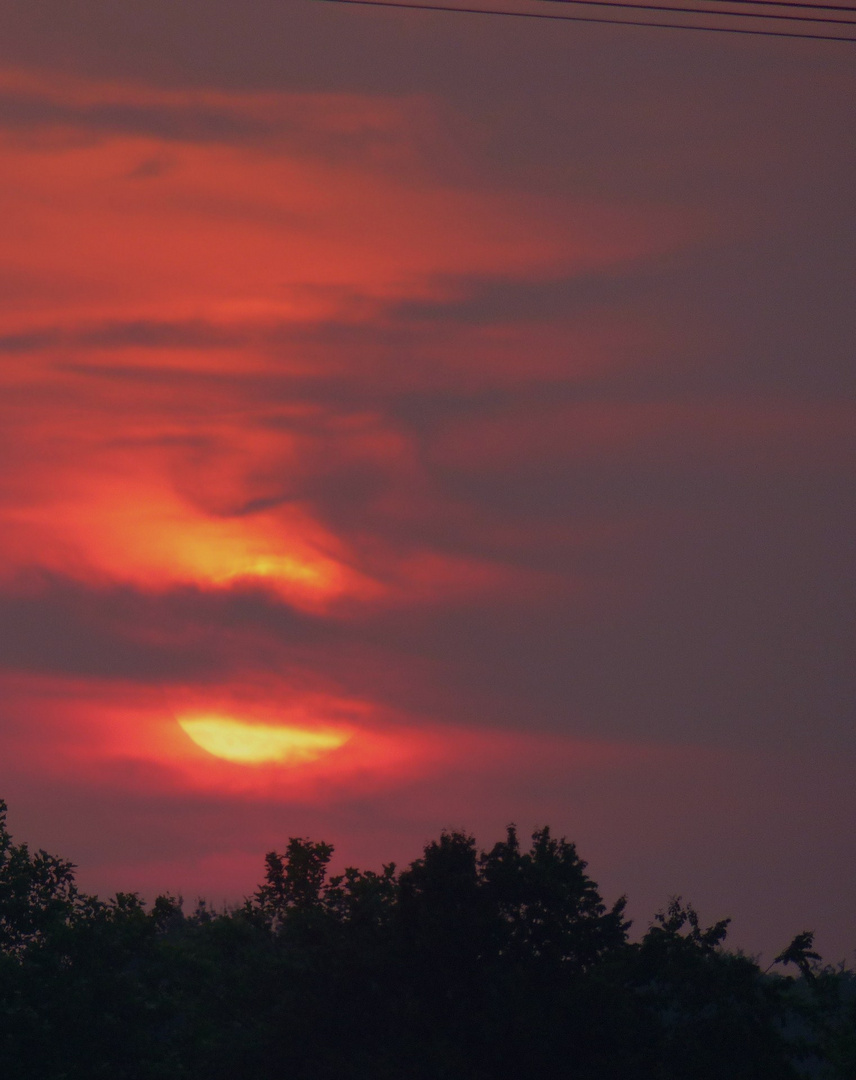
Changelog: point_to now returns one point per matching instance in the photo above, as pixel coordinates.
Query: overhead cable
(706, 11)
(404, 5)
(789, 4)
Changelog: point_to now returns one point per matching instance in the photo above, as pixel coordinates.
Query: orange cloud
(322, 191)
(181, 233)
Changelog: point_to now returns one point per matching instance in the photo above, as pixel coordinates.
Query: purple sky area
(478, 390)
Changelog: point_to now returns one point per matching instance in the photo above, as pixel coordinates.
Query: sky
(415, 421)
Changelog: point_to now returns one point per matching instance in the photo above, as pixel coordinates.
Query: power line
(708, 11)
(402, 4)
(787, 4)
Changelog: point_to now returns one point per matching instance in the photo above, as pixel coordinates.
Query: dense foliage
(467, 965)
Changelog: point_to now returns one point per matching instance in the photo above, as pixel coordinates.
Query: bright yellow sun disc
(256, 744)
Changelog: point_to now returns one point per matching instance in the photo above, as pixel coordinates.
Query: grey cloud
(304, 133)
(171, 122)
(731, 624)
(55, 634)
(52, 625)
(137, 333)
(767, 314)
(150, 169)
(597, 110)
(492, 301)
(199, 334)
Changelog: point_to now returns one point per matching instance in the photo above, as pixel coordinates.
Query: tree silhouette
(294, 881)
(468, 964)
(37, 892)
(800, 952)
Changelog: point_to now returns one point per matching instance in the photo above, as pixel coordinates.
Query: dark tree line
(466, 965)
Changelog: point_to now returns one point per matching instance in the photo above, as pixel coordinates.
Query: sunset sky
(414, 421)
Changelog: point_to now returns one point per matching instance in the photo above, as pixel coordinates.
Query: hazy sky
(477, 393)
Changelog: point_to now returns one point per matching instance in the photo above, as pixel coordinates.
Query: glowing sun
(258, 744)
